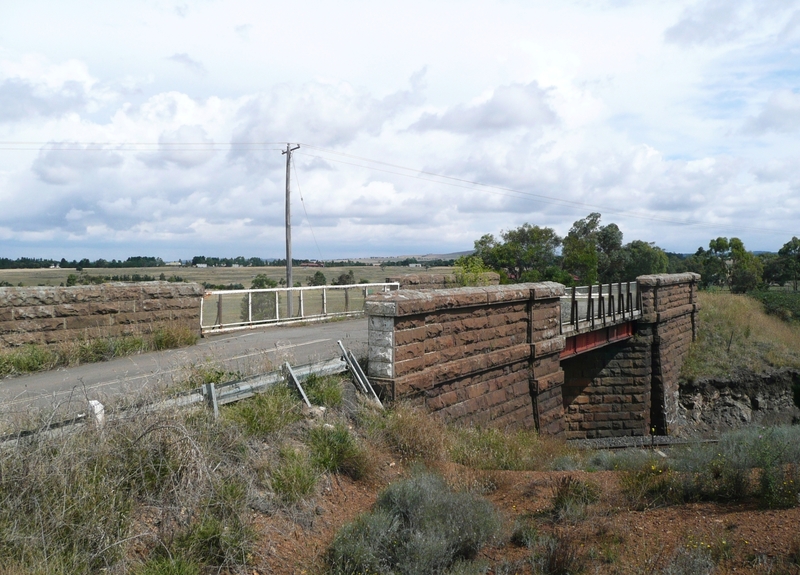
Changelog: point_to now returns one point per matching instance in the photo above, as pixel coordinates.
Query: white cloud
(649, 112)
(189, 63)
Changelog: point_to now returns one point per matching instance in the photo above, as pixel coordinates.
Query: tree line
(592, 253)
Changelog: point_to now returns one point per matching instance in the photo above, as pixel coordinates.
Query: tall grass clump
(735, 334)
(488, 448)
(294, 477)
(335, 449)
(324, 390)
(410, 432)
(417, 525)
(77, 501)
(267, 412)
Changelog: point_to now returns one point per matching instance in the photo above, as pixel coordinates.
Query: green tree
(580, 249)
(746, 269)
(318, 279)
(470, 271)
(346, 279)
(642, 258)
(789, 255)
(527, 253)
(263, 304)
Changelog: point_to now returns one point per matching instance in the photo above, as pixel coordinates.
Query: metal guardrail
(211, 394)
(588, 307)
(248, 308)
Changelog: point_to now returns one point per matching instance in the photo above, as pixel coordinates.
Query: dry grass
(735, 334)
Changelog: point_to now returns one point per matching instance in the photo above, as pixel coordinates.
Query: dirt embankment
(710, 405)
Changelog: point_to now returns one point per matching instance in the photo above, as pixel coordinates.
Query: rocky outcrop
(709, 406)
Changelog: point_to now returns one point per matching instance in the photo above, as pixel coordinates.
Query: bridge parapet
(493, 356)
(472, 354)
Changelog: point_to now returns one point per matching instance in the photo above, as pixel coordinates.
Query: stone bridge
(583, 363)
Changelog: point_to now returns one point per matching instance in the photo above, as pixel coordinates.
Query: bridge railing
(228, 310)
(590, 307)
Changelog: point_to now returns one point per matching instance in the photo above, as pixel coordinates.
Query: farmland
(216, 276)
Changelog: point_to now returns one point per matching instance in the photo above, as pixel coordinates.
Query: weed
(335, 449)
(526, 531)
(417, 526)
(32, 358)
(653, 485)
(324, 390)
(691, 559)
(294, 477)
(173, 336)
(571, 496)
(411, 433)
(494, 449)
(557, 555)
(267, 412)
(168, 566)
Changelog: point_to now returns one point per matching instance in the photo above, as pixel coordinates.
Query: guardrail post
(590, 307)
(601, 304)
(346, 300)
(250, 307)
(324, 301)
(277, 307)
(302, 311)
(218, 321)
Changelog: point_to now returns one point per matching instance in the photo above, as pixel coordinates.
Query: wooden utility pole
(289, 283)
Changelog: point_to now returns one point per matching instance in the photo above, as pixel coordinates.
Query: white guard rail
(584, 307)
(227, 310)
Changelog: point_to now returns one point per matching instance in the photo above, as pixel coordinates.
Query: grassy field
(736, 334)
(217, 276)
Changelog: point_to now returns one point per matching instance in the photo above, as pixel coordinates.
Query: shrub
(690, 560)
(526, 531)
(336, 450)
(294, 477)
(417, 526)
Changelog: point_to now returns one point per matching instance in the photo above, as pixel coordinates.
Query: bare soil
(611, 538)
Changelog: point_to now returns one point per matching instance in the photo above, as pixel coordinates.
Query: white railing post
(302, 311)
(250, 307)
(324, 301)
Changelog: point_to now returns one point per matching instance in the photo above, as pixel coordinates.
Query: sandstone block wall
(50, 315)
(474, 355)
(607, 391)
(669, 314)
(436, 281)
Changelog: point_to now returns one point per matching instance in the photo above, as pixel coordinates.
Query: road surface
(68, 390)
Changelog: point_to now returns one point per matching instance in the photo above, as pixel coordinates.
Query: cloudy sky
(155, 127)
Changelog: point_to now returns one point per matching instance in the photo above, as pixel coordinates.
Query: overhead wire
(303, 203)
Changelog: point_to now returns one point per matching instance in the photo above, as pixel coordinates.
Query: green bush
(783, 304)
(411, 433)
(556, 554)
(335, 449)
(173, 336)
(417, 526)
